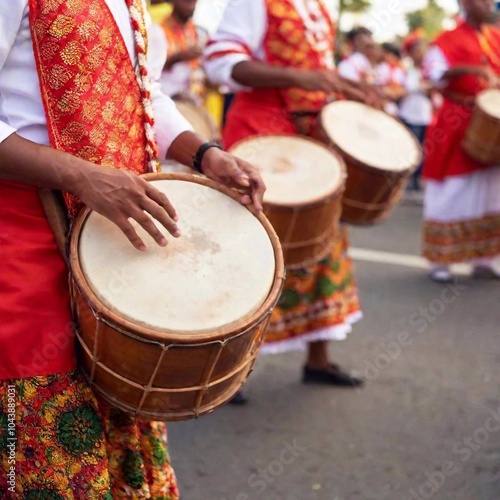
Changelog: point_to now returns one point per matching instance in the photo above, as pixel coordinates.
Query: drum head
(218, 272)
(489, 102)
(198, 118)
(370, 136)
(297, 171)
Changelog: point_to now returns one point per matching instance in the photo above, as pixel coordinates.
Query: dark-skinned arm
(116, 194)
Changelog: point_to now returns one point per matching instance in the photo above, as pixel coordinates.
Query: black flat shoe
(332, 376)
(238, 399)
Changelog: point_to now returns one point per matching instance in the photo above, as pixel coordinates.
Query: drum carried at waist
(380, 154)
(305, 181)
(482, 139)
(172, 333)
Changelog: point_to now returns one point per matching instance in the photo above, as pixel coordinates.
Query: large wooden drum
(482, 140)
(199, 118)
(172, 333)
(380, 154)
(305, 180)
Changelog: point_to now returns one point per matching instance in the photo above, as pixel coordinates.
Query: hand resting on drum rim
(117, 194)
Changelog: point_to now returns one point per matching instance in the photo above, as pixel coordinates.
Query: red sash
(89, 88)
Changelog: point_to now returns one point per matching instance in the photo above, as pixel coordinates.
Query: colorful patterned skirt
(318, 303)
(462, 217)
(57, 443)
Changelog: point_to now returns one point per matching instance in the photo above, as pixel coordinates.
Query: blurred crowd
(395, 71)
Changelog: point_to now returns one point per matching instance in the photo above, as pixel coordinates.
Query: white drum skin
(188, 285)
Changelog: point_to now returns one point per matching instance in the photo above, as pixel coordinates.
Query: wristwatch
(198, 157)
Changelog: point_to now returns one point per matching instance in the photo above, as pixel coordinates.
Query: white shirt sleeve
(435, 65)
(354, 66)
(240, 37)
(157, 51)
(11, 14)
(169, 123)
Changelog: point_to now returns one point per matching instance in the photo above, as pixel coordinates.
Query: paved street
(427, 424)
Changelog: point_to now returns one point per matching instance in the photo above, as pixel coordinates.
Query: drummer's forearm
(258, 74)
(185, 147)
(30, 163)
(459, 71)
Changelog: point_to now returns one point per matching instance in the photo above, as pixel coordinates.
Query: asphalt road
(426, 425)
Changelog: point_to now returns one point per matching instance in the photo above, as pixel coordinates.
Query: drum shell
(307, 234)
(371, 194)
(482, 138)
(170, 376)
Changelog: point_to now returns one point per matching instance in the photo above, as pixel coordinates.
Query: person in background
(462, 201)
(416, 108)
(182, 74)
(368, 65)
(360, 65)
(282, 79)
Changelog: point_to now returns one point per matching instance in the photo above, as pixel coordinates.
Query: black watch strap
(198, 157)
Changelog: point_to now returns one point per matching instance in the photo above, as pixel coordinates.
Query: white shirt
(243, 30)
(436, 65)
(357, 67)
(416, 107)
(21, 108)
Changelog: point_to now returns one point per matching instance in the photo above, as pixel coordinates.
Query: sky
(386, 17)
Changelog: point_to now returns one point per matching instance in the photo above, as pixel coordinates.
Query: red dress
(319, 302)
(463, 46)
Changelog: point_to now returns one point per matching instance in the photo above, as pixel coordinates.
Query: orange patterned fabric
(318, 303)
(89, 88)
(291, 43)
(181, 37)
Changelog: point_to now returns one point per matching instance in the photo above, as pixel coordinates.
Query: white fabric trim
(337, 332)
(463, 197)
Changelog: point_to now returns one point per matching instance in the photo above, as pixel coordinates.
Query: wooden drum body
(482, 139)
(172, 333)
(305, 181)
(380, 155)
(199, 118)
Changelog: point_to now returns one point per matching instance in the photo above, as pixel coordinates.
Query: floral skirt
(462, 217)
(57, 442)
(318, 303)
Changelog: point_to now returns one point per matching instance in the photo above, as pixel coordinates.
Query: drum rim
(167, 337)
(312, 203)
(481, 108)
(355, 161)
(212, 125)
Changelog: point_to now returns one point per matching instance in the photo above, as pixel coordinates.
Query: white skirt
(462, 217)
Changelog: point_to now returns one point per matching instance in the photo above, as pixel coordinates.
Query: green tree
(430, 19)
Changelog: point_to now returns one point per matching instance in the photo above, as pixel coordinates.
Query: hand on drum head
(120, 196)
(230, 171)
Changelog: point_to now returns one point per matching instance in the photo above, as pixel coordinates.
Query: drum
(174, 167)
(172, 333)
(305, 181)
(199, 118)
(482, 139)
(380, 154)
